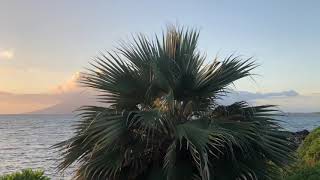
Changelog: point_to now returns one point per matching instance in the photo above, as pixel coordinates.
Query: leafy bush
(309, 151)
(26, 174)
(306, 173)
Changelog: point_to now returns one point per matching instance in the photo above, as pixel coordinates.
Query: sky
(45, 44)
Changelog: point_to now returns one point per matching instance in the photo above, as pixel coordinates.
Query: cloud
(70, 99)
(300, 103)
(70, 85)
(250, 96)
(288, 101)
(63, 99)
(6, 54)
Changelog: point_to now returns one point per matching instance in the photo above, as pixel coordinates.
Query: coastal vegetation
(26, 174)
(305, 173)
(307, 166)
(309, 151)
(161, 119)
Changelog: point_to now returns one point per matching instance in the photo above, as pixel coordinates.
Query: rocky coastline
(299, 136)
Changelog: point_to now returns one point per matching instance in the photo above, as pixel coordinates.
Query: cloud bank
(288, 101)
(63, 103)
(66, 102)
(62, 99)
(68, 96)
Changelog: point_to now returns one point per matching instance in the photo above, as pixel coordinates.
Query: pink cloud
(71, 85)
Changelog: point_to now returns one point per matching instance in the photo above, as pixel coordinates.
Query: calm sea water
(25, 140)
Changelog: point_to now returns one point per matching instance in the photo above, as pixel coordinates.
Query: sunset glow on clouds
(24, 103)
(68, 96)
(18, 79)
(16, 103)
(70, 85)
(6, 54)
(64, 98)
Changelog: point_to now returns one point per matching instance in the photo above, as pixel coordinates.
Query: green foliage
(162, 120)
(307, 166)
(309, 151)
(306, 173)
(26, 174)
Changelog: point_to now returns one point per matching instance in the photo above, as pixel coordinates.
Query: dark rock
(302, 133)
(299, 136)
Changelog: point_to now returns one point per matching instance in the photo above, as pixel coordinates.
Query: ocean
(25, 140)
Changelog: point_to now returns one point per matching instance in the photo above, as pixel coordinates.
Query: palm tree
(162, 120)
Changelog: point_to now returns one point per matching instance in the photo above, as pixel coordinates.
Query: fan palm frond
(162, 119)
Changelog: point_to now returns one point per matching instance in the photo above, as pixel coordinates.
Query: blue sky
(58, 38)
(44, 43)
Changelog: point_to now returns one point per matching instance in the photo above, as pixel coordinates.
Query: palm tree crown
(162, 121)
